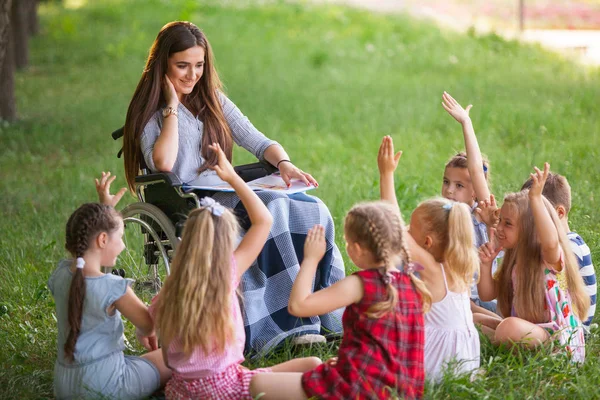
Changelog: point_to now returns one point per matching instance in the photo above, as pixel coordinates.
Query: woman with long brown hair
(177, 111)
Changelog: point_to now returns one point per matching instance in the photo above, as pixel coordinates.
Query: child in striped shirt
(558, 191)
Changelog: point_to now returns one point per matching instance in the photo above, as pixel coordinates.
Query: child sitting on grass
(558, 192)
(197, 312)
(441, 239)
(89, 304)
(538, 285)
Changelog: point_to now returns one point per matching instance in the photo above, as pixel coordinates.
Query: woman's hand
(289, 171)
(387, 161)
(539, 180)
(103, 189)
(314, 246)
(458, 113)
(488, 212)
(490, 250)
(169, 92)
(223, 168)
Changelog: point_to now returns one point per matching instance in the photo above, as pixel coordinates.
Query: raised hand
(488, 212)
(223, 168)
(289, 171)
(489, 250)
(539, 180)
(315, 245)
(103, 190)
(453, 108)
(387, 160)
(169, 92)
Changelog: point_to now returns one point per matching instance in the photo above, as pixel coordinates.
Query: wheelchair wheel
(150, 242)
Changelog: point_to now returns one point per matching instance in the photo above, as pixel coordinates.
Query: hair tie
(448, 206)
(484, 168)
(412, 267)
(386, 276)
(80, 262)
(213, 206)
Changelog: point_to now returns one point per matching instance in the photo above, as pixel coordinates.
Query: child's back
(99, 361)
(451, 334)
(380, 353)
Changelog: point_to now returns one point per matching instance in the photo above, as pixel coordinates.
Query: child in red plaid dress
(381, 354)
(197, 312)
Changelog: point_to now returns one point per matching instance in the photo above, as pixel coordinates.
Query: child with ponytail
(441, 239)
(381, 354)
(89, 304)
(197, 311)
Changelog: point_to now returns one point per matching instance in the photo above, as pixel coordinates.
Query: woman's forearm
(275, 153)
(164, 154)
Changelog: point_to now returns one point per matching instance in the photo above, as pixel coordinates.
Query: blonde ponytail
(460, 255)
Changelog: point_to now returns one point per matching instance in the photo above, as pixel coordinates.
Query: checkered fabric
(267, 285)
(231, 384)
(379, 358)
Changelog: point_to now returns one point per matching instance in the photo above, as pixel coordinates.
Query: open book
(272, 182)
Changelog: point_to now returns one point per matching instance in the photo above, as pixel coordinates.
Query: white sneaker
(310, 338)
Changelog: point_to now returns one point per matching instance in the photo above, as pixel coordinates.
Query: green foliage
(327, 83)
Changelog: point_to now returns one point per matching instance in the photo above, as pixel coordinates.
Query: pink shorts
(231, 384)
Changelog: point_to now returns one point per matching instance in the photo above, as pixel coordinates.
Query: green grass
(327, 83)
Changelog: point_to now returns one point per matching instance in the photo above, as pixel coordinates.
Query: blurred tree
(8, 109)
(34, 23)
(19, 21)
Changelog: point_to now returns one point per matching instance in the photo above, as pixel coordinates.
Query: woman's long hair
(378, 227)
(83, 227)
(148, 97)
(194, 305)
(526, 262)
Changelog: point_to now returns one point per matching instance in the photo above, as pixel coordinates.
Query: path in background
(571, 27)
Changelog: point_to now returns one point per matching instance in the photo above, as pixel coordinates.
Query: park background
(327, 82)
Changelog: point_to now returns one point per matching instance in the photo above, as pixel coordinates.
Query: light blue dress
(100, 369)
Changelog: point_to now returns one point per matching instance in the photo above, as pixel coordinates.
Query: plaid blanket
(266, 286)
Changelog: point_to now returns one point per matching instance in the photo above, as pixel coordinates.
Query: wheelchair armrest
(160, 177)
(249, 172)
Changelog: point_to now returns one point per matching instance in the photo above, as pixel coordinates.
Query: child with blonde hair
(197, 312)
(381, 354)
(538, 285)
(89, 304)
(558, 192)
(441, 239)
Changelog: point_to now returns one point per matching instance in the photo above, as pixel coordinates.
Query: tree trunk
(8, 110)
(20, 32)
(34, 22)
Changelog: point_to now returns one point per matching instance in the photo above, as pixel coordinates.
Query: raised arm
(387, 162)
(474, 159)
(545, 228)
(260, 218)
(103, 190)
(303, 302)
(164, 154)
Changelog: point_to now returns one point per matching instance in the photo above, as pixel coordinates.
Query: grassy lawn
(327, 83)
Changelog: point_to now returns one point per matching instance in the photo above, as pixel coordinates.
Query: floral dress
(564, 325)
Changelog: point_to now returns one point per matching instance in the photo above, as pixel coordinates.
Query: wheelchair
(154, 224)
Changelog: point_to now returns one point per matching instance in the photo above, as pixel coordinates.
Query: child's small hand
(223, 168)
(387, 161)
(539, 180)
(332, 362)
(315, 245)
(488, 212)
(150, 342)
(103, 189)
(458, 113)
(489, 250)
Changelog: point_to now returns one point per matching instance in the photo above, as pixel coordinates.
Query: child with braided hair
(381, 354)
(441, 239)
(89, 305)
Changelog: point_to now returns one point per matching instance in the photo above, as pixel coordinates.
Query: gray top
(101, 334)
(190, 128)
